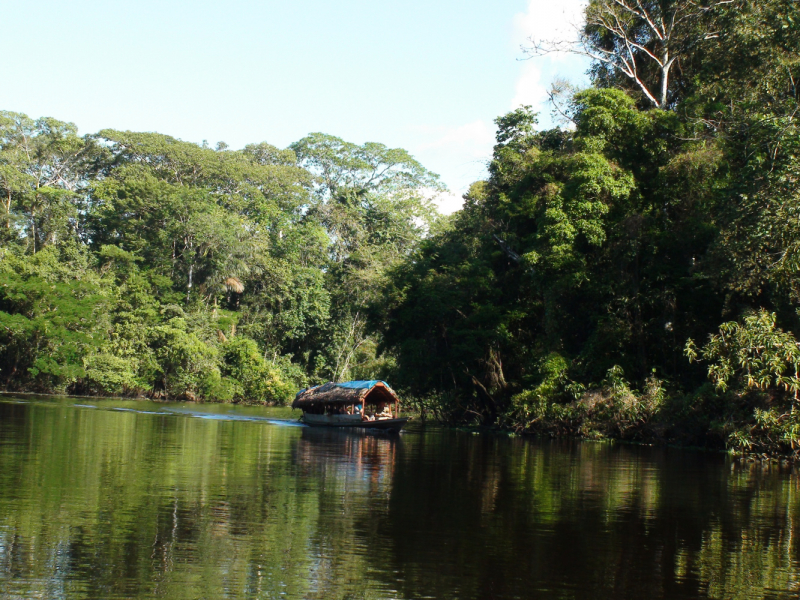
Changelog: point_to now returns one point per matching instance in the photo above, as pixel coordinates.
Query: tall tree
(375, 204)
(43, 171)
(640, 40)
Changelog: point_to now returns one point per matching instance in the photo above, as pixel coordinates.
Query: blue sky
(426, 76)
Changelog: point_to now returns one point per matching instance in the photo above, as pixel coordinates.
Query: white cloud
(529, 88)
(448, 203)
(445, 202)
(461, 154)
(546, 20)
(472, 138)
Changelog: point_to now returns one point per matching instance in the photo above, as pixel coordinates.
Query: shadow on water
(122, 499)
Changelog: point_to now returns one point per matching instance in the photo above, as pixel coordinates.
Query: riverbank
(600, 420)
(747, 424)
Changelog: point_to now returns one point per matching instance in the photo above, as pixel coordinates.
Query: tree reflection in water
(98, 503)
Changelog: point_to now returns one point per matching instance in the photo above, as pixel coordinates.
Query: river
(131, 499)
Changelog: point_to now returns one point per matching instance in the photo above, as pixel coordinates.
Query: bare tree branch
(641, 32)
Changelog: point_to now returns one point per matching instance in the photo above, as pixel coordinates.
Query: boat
(355, 404)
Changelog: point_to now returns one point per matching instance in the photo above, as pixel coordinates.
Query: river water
(128, 499)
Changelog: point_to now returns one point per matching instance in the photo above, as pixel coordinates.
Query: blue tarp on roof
(361, 385)
(352, 385)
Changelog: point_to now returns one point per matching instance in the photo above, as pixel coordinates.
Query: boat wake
(177, 411)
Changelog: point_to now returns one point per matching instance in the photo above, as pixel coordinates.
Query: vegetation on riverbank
(632, 273)
(136, 264)
(577, 291)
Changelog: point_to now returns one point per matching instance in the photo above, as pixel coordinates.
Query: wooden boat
(356, 404)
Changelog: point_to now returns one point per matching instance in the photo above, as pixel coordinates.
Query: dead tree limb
(641, 32)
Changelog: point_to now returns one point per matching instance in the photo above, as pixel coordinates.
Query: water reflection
(352, 459)
(150, 503)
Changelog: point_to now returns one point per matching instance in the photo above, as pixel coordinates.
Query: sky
(426, 76)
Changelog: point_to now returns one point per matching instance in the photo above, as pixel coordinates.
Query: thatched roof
(349, 392)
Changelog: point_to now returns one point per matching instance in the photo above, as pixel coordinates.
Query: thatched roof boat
(349, 392)
(365, 404)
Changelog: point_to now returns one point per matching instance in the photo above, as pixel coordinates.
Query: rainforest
(631, 273)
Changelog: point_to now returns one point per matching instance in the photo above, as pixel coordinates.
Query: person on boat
(383, 411)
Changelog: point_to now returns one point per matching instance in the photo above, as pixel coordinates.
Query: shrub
(259, 380)
(753, 353)
(110, 375)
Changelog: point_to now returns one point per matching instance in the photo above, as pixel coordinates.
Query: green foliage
(610, 244)
(187, 365)
(47, 325)
(611, 408)
(137, 264)
(767, 431)
(341, 166)
(531, 406)
(43, 171)
(257, 380)
(109, 374)
(753, 353)
(554, 254)
(128, 260)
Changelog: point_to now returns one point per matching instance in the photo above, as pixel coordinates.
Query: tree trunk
(667, 63)
(487, 401)
(191, 270)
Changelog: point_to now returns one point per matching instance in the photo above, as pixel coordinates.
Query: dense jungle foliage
(632, 273)
(138, 264)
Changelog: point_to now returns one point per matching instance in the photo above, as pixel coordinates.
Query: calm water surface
(114, 499)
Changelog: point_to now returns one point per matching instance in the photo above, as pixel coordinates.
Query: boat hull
(389, 425)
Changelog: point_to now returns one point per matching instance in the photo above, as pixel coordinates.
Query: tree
(43, 170)
(747, 105)
(574, 248)
(50, 321)
(372, 167)
(641, 40)
(374, 203)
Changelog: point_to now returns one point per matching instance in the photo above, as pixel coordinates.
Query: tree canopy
(566, 294)
(633, 273)
(139, 264)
